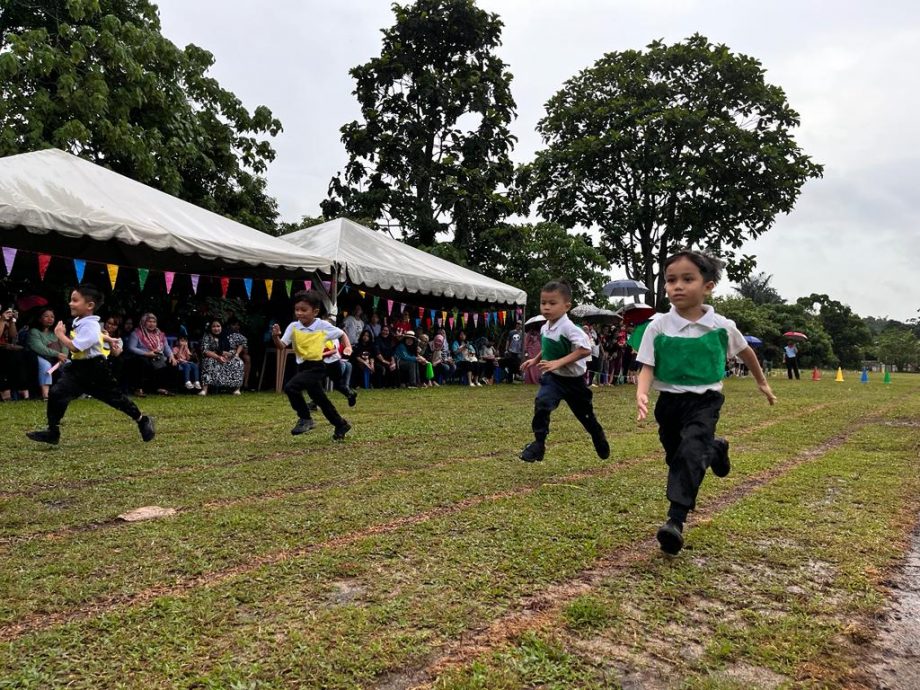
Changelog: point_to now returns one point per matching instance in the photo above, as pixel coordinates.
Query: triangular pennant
(438, 322)
(433, 314)
(43, 261)
(79, 266)
(444, 316)
(269, 283)
(142, 274)
(389, 306)
(195, 279)
(170, 278)
(247, 282)
(402, 307)
(327, 285)
(362, 293)
(308, 284)
(224, 286)
(475, 320)
(287, 287)
(376, 301)
(462, 323)
(418, 322)
(450, 320)
(466, 316)
(421, 312)
(9, 257)
(113, 273)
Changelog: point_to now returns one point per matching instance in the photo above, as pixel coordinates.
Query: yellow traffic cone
(839, 378)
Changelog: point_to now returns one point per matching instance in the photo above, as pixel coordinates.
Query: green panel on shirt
(635, 338)
(691, 361)
(555, 349)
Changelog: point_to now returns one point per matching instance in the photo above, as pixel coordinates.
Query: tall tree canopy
(757, 288)
(848, 332)
(431, 155)
(98, 79)
(679, 145)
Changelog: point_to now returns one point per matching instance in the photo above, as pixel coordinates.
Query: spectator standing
(514, 348)
(791, 355)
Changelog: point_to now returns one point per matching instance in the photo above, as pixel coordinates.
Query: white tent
(376, 261)
(57, 203)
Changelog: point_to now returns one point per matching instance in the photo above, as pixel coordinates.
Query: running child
(87, 372)
(683, 354)
(562, 363)
(308, 334)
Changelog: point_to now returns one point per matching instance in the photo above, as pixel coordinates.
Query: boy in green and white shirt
(562, 361)
(683, 353)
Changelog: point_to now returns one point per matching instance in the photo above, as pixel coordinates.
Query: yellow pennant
(268, 287)
(113, 274)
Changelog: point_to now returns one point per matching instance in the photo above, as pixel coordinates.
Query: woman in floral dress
(221, 365)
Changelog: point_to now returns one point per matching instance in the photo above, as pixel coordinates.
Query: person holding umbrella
(791, 353)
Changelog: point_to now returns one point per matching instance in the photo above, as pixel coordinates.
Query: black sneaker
(146, 427)
(352, 397)
(601, 445)
(533, 452)
(671, 537)
(340, 431)
(48, 435)
(721, 466)
(302, 426)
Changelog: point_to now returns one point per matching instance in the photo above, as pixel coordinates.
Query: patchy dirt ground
(895, 655)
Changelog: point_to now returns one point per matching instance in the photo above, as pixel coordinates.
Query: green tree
(899, 346)
(528, 256)
(680, 145)
(757, 288)
(98, 79)
(432, 153)
(848, 332)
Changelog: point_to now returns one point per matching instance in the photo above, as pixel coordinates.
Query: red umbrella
(795, 335)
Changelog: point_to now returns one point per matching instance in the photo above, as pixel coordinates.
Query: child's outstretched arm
(750, 359)
(276, 337)
(60, 331)
(527, 363)
(642, 388)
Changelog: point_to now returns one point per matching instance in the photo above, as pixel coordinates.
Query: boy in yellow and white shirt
(308, 335)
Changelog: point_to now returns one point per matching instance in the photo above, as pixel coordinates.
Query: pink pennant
(450, 320)
(195, 278)
(389, 306)
(170, 277)
(308, 284)
(9, 256)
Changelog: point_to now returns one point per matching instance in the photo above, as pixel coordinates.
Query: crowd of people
(386, 353)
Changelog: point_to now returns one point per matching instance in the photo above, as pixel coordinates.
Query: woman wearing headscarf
(221, 364)
(151, 355)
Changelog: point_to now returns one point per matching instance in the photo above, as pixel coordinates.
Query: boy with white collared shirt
(683, 353)
(562, 363)
(308, 334)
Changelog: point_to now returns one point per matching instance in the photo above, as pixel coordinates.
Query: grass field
(422, 553)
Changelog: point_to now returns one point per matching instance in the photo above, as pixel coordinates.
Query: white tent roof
(75, 208)
(375, 260)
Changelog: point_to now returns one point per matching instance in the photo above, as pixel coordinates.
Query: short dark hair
(311, 297)
(90, 293)
(561, 286)
(710, 267)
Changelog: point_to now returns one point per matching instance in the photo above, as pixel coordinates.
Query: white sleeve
(736, 341)
(85, 337)
(578, 337)
(646, 353)
(288, 334)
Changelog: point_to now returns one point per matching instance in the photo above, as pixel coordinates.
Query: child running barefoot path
(87, 372)
(309, 334)
(562, 362)
(683, 354)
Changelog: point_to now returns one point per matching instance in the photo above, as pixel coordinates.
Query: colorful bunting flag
(421, 312)
(402, 308)
(439, 322)
(450, 320)
(142, 274)
(224, 286)
(43, 261)
(79, 266)
(475, 320)
(9, 256)
(376, 301)
(195, 279)
(327, 285)
(269, 283)
(433, 313)
(389, 306)
(308, 285)
(444, 316)
(288, 284)
(247, 282)
(362, 293)
(170, 278)
(418, 322)
(113, 273)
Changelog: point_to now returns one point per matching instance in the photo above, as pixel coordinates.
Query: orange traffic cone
(815, 375)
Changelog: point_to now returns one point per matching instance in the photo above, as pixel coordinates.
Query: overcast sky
(849, 68)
